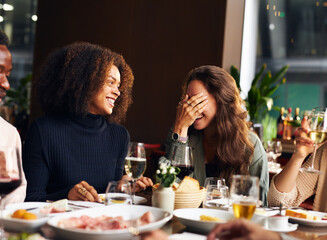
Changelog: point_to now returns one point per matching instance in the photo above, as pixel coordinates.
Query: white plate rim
(25, 205)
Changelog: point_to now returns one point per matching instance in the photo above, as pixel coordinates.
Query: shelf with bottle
(287, 126)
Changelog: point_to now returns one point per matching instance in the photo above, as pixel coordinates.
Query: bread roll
(188, 184)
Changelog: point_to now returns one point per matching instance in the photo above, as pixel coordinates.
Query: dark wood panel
(161, 41)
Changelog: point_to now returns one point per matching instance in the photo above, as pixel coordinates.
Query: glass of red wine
(10, 175)
(182, 157)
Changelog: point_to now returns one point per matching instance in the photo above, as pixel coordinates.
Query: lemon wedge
(210, 218)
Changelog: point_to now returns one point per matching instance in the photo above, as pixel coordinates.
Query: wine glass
(270, 150)
(244, 195)
(182, 157)
(217, 193)
(10, 175)
(135, 163)
(318, 133)
(278, 149)
(269, 146)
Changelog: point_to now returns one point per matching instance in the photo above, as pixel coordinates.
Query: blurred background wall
(161, 41)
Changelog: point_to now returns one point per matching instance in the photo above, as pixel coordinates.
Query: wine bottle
(280, 123)
(297, 119)
(287, 132)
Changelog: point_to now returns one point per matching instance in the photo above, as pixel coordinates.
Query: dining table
(174, 228)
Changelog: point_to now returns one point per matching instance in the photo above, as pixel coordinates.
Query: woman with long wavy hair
(211, 119)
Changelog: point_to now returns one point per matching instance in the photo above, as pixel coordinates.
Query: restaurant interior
(162, 41)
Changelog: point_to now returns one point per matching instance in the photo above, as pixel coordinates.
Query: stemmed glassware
(278, 149)
(274, 150)
(182, 157)
(217, 193)
(135, 163)
(318, 133)
(244, 195)
(10, 175)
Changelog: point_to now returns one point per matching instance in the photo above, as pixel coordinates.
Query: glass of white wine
(318, 133)
(135, 163)
(244, 195)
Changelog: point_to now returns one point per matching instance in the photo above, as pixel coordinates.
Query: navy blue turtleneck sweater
(61, 151)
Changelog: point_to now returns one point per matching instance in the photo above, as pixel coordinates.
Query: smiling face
(104, 101)
(203, 121)
(5, 69)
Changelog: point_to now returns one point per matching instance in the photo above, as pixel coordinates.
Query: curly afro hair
(73, 74)
(3, 38)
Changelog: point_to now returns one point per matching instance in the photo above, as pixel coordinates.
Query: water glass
(118, 192)
(217, 193)
(216, 181)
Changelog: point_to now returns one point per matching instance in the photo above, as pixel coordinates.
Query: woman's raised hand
(82, 191)
(189, 109)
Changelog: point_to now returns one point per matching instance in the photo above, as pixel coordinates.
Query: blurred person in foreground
(211, 119)
(291, 186)
(8, 133)
(240, 229)
(243, 229)
(78, 147)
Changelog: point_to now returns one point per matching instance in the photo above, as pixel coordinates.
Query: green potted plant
(259, 99)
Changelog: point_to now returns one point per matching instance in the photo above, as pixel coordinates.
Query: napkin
(187, 236)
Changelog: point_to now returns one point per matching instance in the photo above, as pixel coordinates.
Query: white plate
(290, 228)
(138, 200)
(307, 222)
(21, 225)
(190, 217)
(36, 206)
(160, 216)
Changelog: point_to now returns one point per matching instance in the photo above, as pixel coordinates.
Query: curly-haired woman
(211, 120)
(78, 147)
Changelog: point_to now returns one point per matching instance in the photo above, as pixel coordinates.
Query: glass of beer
(244, 195)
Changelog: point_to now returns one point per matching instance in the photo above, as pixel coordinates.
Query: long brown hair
(231, 141)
